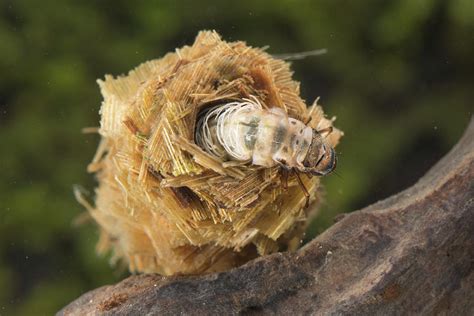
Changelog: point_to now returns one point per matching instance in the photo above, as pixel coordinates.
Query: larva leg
(284, 178)
(305, 191)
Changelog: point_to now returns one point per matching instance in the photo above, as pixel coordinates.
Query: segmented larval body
(246, 131)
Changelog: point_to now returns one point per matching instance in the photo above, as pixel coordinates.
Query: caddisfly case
(166, 205)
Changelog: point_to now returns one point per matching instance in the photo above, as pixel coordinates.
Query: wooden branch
(411, 253)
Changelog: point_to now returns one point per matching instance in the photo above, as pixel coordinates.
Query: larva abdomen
(278, 139)
(246, 131)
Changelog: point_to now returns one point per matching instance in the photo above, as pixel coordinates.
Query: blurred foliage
(398, 75)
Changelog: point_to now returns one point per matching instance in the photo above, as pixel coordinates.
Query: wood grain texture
(412, 253)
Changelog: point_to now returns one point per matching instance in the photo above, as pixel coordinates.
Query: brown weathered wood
(412, 253)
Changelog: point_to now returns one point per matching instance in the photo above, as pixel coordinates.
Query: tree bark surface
(412, 253)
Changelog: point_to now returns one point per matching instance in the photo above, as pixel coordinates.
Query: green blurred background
(398, 75)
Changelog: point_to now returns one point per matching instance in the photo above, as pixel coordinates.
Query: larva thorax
(245, 131)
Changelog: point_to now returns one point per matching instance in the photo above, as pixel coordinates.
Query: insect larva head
(320, 158)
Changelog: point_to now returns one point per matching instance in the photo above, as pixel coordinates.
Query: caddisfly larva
(245, 131)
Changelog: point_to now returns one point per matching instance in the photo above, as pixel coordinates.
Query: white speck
(435, 127)
(328, 256)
